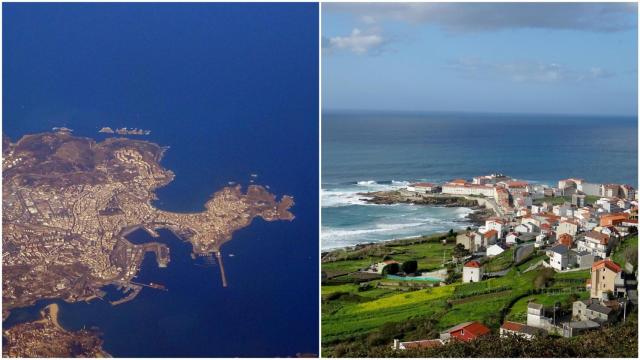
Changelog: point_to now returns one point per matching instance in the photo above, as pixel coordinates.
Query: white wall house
(472, 272)
(468, 189)
(567, 227)
(512, 238)
(559, 257)
(494, 250)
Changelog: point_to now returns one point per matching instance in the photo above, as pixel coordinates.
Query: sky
(562, 58)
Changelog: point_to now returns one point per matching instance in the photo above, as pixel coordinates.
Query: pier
(222, 274)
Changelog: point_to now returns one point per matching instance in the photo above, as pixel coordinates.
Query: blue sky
(573, 58)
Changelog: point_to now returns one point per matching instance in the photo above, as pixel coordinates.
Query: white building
(559, 257)
(472, 272)
(463, 188)
(567, 227)
(494, 250)
(496, 224)
(512, 238)
(596, 243)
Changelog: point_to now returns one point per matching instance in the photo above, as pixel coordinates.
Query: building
(596, 243)
(489, 238)
(594, 310)
(460, 187)
(414, 345)
(613, 219)
(610, 190)
(523, 330)
(495, 224)
(559, 257)
(467, 240)
(568, 227)
(512, 237)
(583, 259)
(494, 250)
(604, 274)
(472, 272)
(467, 331)
(423, 188)
(535, 315)
(574, 328)
(578, 200)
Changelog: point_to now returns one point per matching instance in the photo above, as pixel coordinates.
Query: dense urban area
(543, 272)
(68, 205)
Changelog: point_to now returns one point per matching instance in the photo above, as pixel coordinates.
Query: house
(472, 271)
(596, 243)
(495, 224)
(526, 228)
(604, 274)
(535, 315)
(583, 259)
(594, 310)
(578, 200)
(610, 190)
(559, 257)
(523, 330)
(512, 238)
(494, 250)
(423, 188)
(573, 328)
(567, 227)
(467, 240)
(517, 188)
(413, 345)
(461, 187)
(489, 238)
(467, 331)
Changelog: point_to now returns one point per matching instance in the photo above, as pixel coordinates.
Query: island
(46, 338)
(69, 202)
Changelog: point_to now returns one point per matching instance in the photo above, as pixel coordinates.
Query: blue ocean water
(375, 151)
(232, 89)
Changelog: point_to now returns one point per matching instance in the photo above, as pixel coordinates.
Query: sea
(374, 151)
(231, 90)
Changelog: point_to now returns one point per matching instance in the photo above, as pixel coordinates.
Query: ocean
(369, 151)
(232, 90)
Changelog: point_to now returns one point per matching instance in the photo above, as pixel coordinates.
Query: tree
(451, 233)
(544, 276)
(409, 267)
(459, 252)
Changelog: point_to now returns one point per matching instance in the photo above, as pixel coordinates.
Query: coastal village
(572, 242)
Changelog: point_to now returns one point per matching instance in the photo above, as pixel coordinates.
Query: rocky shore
(477, 217)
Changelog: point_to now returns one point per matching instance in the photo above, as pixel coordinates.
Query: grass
(359, 314)
(500, 262)
(618, 254)
(429, 256)
(518, 311)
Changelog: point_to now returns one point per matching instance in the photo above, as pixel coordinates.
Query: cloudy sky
(488, 57)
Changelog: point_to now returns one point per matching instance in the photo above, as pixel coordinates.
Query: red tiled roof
(518, 184)
(459, 181)
(491, 233)
(602, 238)
(470, 332)
(513, 326)
(608, 264)
(472, 263)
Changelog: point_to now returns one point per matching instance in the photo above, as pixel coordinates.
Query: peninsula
(46, 338)
(69, 201)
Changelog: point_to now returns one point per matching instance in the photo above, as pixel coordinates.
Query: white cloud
(357, 42)
(526, 71)
(473, 17)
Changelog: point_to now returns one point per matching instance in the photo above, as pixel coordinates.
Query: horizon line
(351, 110)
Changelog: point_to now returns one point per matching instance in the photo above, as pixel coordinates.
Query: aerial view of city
(479, 178)
(141, 216)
